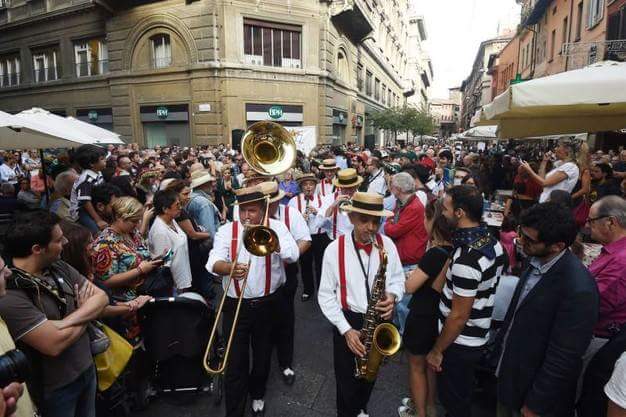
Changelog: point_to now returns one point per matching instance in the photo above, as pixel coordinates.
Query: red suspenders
(335, 218)
(233, 253)
(343, 288)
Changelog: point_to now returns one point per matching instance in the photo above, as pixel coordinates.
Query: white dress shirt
(324, 187)
(377, 183)
(297, 225)
(335, 225)
(329, 294)
(256, 275)
(162, 238)
(299, 203)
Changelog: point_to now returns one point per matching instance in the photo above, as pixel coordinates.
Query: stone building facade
(201, 71)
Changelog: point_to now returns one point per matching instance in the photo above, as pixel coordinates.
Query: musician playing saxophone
(349, 271)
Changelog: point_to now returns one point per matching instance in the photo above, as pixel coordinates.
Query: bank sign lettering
(275, 112)
(161, 112)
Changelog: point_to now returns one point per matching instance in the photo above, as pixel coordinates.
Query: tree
(407, 119)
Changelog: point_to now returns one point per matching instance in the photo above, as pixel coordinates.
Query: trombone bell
(268, 148)
(260, 241)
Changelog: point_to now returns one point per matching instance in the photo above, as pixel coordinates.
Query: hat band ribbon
(367, 206)
(250, 197)
(347, 181)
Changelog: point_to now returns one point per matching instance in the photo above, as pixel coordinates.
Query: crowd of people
(98, 232)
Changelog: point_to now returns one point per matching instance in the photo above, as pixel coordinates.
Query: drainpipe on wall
(569, 31)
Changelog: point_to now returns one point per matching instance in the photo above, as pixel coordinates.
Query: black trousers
(257, 319)
(353, 394)
(319, 243)
(455, 382)
(307, 268)
(286, 323)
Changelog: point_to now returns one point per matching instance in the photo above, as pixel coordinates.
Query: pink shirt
(609, 271)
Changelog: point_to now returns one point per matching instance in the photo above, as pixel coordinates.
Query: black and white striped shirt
(471, 274)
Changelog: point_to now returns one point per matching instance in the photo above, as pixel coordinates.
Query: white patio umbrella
(479, 133)
(590, 99)
(103, 135)
(54, 125)
(17, 133)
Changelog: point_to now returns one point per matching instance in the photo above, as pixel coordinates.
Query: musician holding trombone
(353, 269)
(261, 291)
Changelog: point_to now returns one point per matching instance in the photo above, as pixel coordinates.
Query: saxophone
(380, 339)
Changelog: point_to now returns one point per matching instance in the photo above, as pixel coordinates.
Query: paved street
(313, 394)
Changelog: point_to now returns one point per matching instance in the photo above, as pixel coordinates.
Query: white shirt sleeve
(289, 251)
(395, 272)
(570, 169)
(158, 239)
(615, 389)
(298, 226)
(322, 220)
(327, 291)
(221, 247)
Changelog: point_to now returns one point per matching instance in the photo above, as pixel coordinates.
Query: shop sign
(162, 112)
(275, 112)
(92, 115)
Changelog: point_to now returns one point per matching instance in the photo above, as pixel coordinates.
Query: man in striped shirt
(466, 301)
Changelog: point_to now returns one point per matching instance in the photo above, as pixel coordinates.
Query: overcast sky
(455, 29)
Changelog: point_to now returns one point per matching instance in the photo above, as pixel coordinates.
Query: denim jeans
(402, 307)
(76, 399)
(86, 220)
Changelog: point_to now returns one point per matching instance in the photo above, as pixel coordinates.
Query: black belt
(258, 301)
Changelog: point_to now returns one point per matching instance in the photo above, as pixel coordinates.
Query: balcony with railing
(350, 16)
(89, 69)
(46, 74)
(11, 79)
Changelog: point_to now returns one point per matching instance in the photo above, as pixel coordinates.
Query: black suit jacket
(549, 334)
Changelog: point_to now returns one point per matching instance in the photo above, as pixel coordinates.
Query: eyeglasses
(593, 219)
(525, 236)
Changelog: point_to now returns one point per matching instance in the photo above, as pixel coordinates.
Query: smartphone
(166, 257)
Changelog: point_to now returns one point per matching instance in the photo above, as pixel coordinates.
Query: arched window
(161, 50)
(342, 66)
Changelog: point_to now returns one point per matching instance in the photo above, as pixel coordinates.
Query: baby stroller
(176, 332)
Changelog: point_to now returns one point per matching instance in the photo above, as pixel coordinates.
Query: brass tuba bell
(268, 148)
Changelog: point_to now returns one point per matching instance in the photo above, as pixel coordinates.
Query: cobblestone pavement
(313, 393)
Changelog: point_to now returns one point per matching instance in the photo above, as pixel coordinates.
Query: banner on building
(305, 137)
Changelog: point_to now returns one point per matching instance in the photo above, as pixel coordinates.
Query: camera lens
(14, 367)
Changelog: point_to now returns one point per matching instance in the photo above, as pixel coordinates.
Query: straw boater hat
(347, 178)
(367, 203)
(307, 177)
(259, 192)
(328, 164)
(200, 177)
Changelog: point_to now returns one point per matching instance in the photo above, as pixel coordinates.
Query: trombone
(269, 149)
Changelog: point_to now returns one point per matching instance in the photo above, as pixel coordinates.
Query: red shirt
(408, 233)
(609, 270)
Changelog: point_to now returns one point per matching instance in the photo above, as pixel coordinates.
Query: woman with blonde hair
(121, 259)
(563, 176)
(580, 194)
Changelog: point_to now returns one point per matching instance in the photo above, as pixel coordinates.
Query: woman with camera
(167, 237)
